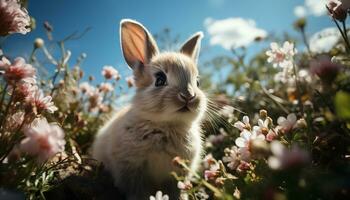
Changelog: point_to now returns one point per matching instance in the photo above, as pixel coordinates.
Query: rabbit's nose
(186, 98)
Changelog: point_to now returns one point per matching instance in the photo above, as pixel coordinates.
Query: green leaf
(342, 104)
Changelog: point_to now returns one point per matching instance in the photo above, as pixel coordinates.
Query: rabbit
(138, 144)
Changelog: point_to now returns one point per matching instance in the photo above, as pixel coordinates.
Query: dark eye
(198, 83)
(160, 79)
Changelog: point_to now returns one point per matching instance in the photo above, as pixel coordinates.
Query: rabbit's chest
(160, 145)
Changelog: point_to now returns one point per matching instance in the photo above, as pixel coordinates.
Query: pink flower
(281, 55)
(263, 126)
(17, 71)
(244, 124)
(159, 196)
(324, 68)
(106, 87)
(287, 124)
(284, 158)
(41, 103)
(338, 9)
(25, 88)
(43, 140)
(110, 72)
(13, 18)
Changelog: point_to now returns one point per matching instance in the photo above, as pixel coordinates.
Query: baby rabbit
(163, 121)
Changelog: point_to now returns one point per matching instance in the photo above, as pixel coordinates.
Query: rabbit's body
(139, 153)
(163, 121)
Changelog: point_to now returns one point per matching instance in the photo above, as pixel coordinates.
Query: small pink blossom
(271, 135)
(13, 18)
(40, 102)
(43, 140)
(244, 124)
(287, 124)
(159, 196)
(281, 56)
(106, 87)
(110, 72)
(16, 71)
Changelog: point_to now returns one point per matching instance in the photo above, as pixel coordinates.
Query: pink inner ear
(134, 44)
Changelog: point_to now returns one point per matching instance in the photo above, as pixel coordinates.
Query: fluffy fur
(138, 144)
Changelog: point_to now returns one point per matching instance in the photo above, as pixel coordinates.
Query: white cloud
(324, 40)
(300, 11)
(233, 32)
(311, 7)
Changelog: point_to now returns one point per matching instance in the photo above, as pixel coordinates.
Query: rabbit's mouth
(184, 109)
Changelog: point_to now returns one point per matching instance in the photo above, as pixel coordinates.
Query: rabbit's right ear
(137, 44)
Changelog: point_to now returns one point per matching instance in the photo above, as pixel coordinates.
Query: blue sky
(184, 17)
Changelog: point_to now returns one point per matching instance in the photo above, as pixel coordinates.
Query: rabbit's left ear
(192, 46)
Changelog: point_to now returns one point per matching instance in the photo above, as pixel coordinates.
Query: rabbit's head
(167, 83)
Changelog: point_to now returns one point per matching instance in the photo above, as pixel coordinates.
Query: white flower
(281, 56)
(287, 124)
(263, 126)
(40, 102)
(106, 87)
(244, 124)
(159, 196)
(85, 87)
(201, 194)
(110, 72)
(245, 140)
(232, 157)
(184, 185)
(43, 140)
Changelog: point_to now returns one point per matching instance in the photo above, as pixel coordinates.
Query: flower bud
(38, 43)
(301, 123)
(263, 113)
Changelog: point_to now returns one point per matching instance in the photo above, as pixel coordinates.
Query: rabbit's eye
(198, 83)
(160, 79)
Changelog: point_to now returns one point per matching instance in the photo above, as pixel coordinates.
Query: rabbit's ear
(137, 43)
(192, 46)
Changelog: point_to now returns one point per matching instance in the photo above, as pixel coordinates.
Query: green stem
(301, 106)
(7, 107)
(303, 34)
(3, 95)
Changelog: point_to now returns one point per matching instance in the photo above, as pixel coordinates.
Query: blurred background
(225, 23)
